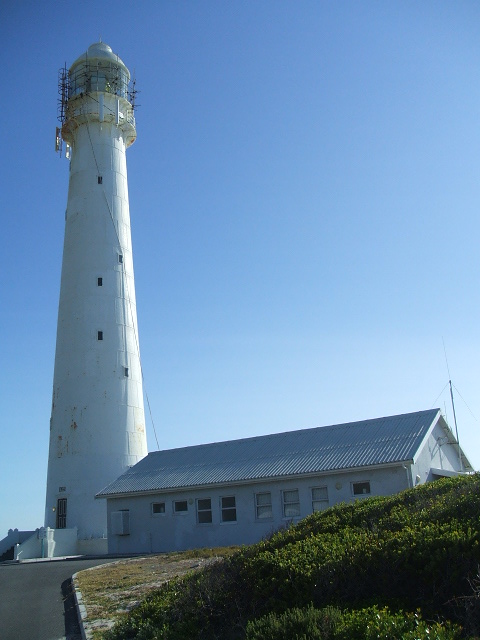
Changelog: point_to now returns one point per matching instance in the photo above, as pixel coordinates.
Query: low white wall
(48, 543)
(62, 542)
(30, 548)
(92, 547)
(13, 538)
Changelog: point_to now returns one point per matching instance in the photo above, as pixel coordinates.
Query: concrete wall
(92, 547)
(13, 538)
(61, 542)
(30, 548)
(48, 543)
(171, 531)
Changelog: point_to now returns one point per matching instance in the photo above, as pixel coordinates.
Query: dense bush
(296, 624)
(332, 624)
(418, 550)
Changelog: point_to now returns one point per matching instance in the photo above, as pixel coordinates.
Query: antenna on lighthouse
(133, 92)
(61, 106)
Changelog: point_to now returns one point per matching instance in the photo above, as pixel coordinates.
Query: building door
(61, 513)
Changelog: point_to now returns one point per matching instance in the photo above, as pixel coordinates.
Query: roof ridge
(277, 434)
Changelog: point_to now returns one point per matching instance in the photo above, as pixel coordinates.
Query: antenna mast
(453, 405)
(61, 107)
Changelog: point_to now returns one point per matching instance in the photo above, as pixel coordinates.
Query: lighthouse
(97, 426)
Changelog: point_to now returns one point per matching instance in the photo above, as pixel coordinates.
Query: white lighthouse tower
(97, 428)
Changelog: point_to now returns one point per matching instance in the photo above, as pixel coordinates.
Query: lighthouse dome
(99, 49)
(99, 52)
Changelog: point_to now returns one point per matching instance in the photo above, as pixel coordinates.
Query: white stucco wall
(150, 533)
(48, 543)
(437, 453)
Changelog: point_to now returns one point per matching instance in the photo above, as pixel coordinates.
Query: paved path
(34, 602)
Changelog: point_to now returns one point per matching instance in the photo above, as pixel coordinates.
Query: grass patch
(109, 591)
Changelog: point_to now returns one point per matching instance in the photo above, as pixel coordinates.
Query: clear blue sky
(304, 195)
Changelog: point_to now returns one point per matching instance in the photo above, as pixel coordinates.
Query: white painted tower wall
(97, 427)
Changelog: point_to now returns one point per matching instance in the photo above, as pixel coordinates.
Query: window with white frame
(319, 498)
(361, 488)
(263, 505)
(180, 507)
(291, 503)
(158, 508)
(229, 509)
(204, 511)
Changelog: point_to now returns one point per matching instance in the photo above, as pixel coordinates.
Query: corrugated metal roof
(322, 449)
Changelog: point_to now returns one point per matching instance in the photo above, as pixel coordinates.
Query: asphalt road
(35, 602)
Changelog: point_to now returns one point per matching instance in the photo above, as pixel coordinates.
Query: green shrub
(332, 624)
(415, 550)
(296, 624)
(374, 623)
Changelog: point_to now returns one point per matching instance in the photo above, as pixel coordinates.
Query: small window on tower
(100, 282)
(125, 371)
(120, 258)
(100, 179)
(99, 335)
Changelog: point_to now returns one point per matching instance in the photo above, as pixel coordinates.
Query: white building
(239, 491)
(97, 426)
